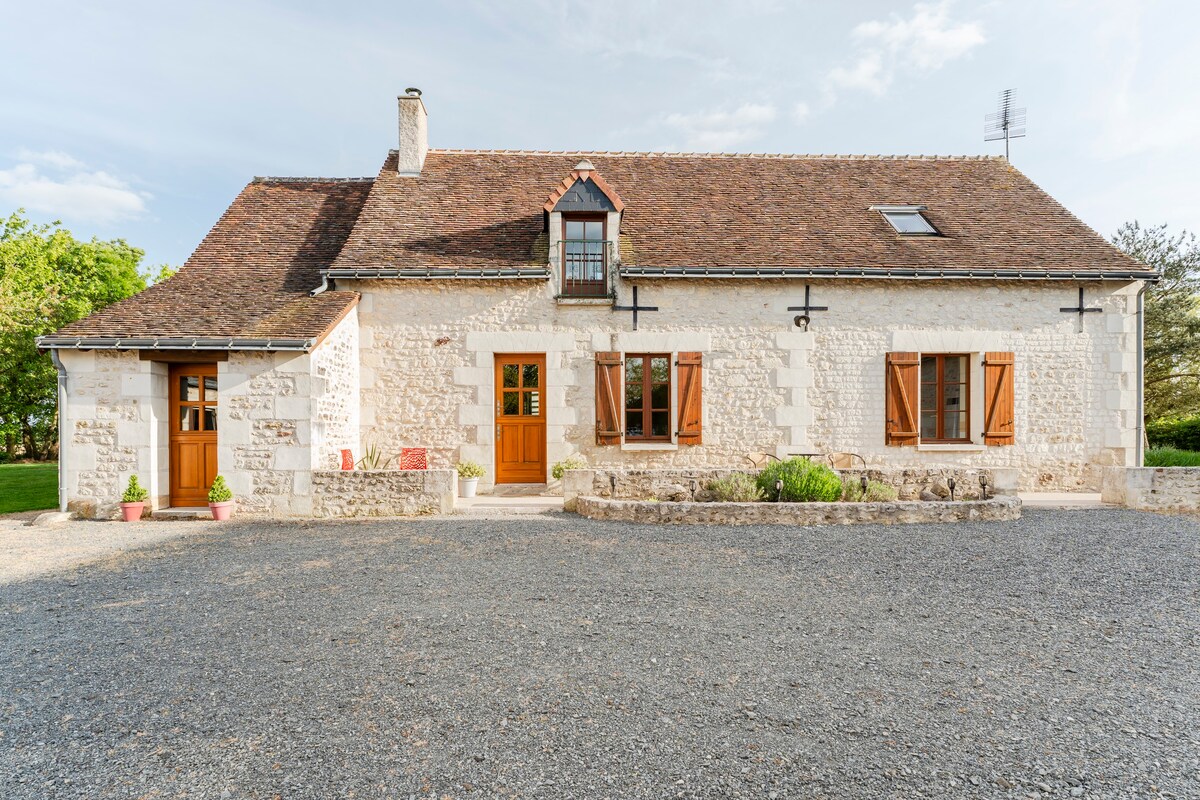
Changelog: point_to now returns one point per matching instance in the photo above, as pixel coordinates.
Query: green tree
(48, 278)
(1172, 349)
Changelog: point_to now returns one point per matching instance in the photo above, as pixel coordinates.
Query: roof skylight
(907, 220)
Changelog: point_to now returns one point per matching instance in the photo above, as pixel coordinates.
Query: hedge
(1182, 434)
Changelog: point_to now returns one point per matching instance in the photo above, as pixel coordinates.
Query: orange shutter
(691, 386)
(903, 383)
(608, 398)
(998, 403)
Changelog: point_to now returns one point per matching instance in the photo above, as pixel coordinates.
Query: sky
(142, 121)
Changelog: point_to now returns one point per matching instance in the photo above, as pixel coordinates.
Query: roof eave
(885, 273)
(439, 273)
(174, 343)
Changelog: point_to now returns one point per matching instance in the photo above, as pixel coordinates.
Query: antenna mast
(1007, 123)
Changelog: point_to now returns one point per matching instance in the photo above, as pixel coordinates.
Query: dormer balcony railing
(585, 267)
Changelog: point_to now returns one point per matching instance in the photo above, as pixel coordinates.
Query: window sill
(952, 447)
(568, 300)
(649, 446)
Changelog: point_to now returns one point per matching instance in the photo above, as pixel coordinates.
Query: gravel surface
(565, 658)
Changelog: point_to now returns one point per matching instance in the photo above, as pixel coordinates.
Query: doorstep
(503, 506)
(181, 513)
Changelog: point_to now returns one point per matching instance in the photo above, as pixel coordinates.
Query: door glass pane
(928, 396)
(189, 418)
(511, 404)
(955, 368)
(210, 389)
(929, 369)
(956, 425)
(953, 395)
(511, 373)
(658, 423)
(633, 423)
(530, 403)
(660, 369)
(658, 396)
(529, 376)
(593, 229)
(573, 229)
(633, 370)
(189, 388)
(210, 418)
(928, 424)
(633, 395)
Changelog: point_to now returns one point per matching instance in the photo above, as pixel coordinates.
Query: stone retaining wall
(382, 493)
(684, 484)
(1153, 488)
(687, 513)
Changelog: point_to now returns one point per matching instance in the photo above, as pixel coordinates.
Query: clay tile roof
(251, 275)
(484, 208)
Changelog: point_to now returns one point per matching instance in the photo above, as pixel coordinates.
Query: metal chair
(760, 460)
(845, 460)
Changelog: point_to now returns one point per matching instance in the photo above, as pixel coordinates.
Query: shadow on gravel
(560, 657)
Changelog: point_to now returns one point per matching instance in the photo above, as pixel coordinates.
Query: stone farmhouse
(637, 310)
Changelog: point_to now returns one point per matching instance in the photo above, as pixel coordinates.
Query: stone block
(292, 458)
(476, 415)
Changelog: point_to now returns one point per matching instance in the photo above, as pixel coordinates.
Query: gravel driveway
(563, 658)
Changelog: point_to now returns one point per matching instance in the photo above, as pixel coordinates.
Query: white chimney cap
(584, 166)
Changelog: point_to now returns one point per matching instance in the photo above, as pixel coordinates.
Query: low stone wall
(802, 514)
(685, 484)
(1153, 488)
(382, 493)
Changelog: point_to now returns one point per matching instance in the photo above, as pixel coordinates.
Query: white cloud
(800, 113)
(718, 130)
(925, 41)
(72, 192)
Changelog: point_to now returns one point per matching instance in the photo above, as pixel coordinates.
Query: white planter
(466, 486)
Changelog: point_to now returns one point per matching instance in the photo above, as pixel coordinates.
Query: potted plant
(220, 499)
(469, 474)
(134, 500)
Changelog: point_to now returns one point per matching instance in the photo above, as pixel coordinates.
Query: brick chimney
(414, 133)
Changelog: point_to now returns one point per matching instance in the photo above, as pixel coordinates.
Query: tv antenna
(1007, 123)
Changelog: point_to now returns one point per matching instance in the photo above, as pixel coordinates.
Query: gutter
(869, 273)
(62, 428)
(433, 273)
(170, 343)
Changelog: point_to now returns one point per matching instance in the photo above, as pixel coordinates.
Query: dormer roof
(583, 190)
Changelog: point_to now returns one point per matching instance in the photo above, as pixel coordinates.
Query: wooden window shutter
(998, 403)
(903, 383)
(691, 389)
(608, 398)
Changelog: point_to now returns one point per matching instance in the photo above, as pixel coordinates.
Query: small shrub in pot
(560, 469)
(469, 474)
(220, 499)
(134, 500)
(803, 482)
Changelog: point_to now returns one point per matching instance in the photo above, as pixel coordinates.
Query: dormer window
(907, 220)
(587, 213)
(584, 255)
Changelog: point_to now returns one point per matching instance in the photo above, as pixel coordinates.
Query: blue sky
(143, 120)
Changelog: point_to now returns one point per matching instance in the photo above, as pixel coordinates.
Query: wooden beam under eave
(184, 356)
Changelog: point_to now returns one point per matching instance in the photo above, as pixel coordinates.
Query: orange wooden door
(520, 418)
(193, 437)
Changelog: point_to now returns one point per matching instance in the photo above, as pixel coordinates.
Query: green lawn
(1170, 457)
(28, 487)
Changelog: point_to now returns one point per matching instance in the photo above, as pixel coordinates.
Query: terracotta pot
(466, 486)
(221, 511)
(132, 512)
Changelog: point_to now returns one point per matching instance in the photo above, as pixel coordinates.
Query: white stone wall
(115, 426)
(335, 395)
(428, 349)
(1153, 488)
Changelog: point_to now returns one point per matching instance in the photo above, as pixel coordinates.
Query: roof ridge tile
(714, 155)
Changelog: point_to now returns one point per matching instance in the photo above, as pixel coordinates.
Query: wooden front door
(193, 433)
(520, 418)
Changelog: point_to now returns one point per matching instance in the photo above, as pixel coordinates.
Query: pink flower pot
(132, 512)
(221, 511)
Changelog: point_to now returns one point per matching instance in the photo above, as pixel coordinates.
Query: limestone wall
(428, 351)
(1153, 488)
(382, 493)
(335, 395)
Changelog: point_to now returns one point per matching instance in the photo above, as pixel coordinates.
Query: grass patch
(1171, 457)
(28, 487)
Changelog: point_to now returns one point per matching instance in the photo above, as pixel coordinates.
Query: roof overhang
(171, 343)
(886, 273)
(437, 273)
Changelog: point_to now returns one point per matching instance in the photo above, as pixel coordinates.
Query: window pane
(658, 423)
(633, 395)
(928, 396)
(529, 376)
(511, 374)
(908, 222)
(633, 424)
(660, 369)
(189, 388)
(633, 370)
(956, 425)
(530, 402)
(573, 229)
(210, 389)
(955, 368)
(189, 418)
(593, 229)
(928, 425)
(928, 369)
(954, 395)
(512, 403)
(659, 396)
(210, 418)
